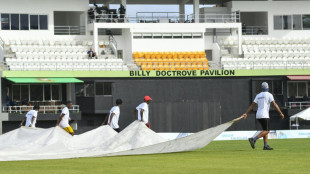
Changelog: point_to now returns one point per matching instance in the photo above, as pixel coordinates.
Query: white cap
(265, 85)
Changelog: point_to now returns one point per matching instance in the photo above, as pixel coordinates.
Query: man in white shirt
(143, 111)
(64, 119)
(263, 101)
(31, 117)
(113, 118)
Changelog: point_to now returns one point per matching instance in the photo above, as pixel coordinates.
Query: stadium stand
(171, 60)
(269, 53)
(58, 55)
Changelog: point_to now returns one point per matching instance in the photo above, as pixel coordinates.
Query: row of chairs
(171, 63)
(296, 65)
(174, 67)
(274, 41)
(262, 59)
(50, 42)
(68, 67)
(173, 60)
(48, 49)
(270, 56)
(158, 55)
(72, 61)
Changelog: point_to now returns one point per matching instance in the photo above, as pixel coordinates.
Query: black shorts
(264, 123)
(117, 130)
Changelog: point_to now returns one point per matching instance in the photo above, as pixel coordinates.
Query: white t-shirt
(145, 107)
(29, 115)
(263, 101)
(65, 119)
(114, 121)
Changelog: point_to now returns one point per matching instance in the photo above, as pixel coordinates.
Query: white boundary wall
(244, 135)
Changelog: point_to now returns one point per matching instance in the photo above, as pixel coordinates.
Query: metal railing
(233, 63)
(65, 66)
(1, 43)
(232, 17)
(254, 30)
(173, 65)
(168, 17)
(69, 30)
(297, 105)
(43, 109)
(113, 45)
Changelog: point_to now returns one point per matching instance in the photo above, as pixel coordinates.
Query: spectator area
(171, 60)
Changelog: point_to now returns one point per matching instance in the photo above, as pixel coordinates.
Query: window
(103, 88)
(187, 35)
(5, 21)
(157, 36)
(36, 92)
(297, 22)
(197, 35)
(177, 35)
(24, 89)
(14, 21)
(84, 90)
(24, 22)
(137, 36)
(89, 89)
(277, 20)
(306, 22)
(287, 22)
(47, 92)
(56, 91)
(147, 36)
(43, 22)
(79, 90)
(167, 35)
(297, 89)
(34, 22)
(277, 87)
(16, 92)
(107, 90)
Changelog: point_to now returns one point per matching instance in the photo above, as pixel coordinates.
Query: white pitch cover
(136, 139)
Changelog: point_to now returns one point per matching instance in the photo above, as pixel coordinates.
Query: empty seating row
(269, 65)
(273, 59)
(273, 41)
(49, 49)
(66, 66)
(174, 67)
(49, 42)
(158, 55)
(172, 60)
(60, 60)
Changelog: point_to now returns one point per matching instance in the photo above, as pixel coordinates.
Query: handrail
(171, 65)
(2, 43)
(300, 105)
(43, 109)
(88, 65)
(69, 30)
(113, 44)
(254, 30)
(263, 64)
(179, 18)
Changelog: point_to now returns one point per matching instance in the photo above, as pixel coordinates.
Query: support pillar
(124, 3)
(95, 35)
(239, 32)
(196, 10)
(181, 13)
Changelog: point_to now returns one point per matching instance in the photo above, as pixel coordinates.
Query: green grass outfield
(289, 156)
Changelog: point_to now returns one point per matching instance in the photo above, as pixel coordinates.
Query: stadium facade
(201, 69)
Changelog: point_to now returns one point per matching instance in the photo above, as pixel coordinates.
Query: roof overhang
(43, 80)
(298, 77)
